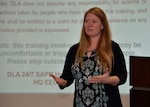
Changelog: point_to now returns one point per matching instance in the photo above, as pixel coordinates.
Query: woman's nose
(89, 23)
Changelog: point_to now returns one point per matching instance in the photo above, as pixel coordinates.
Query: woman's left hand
(100, 78)
(105, 79)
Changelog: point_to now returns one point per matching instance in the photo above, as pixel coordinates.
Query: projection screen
(35, 36)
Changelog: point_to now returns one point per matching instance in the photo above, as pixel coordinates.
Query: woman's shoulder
(74, 47)
(114, 44)
(116, 48)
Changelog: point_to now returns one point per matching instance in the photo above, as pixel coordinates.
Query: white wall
(43, 100)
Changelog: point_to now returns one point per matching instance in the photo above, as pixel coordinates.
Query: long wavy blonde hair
(104, 48)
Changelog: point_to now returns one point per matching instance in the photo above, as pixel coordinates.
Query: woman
(96, 64)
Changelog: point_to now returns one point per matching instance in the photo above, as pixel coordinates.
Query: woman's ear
(102, 27)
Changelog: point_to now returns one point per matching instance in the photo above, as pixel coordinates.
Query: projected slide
(35, 36)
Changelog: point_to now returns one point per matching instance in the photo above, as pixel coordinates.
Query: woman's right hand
(59, 81)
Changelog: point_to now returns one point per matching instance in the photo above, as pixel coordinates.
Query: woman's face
(92, 25)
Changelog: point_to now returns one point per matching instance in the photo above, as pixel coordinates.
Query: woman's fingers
(53, 76)
(100, 78)
(93, 79)
(59, 81)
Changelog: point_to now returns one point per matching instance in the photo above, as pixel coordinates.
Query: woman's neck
(93, 43)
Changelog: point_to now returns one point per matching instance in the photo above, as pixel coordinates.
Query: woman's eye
(94, 21)
(86, 21)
